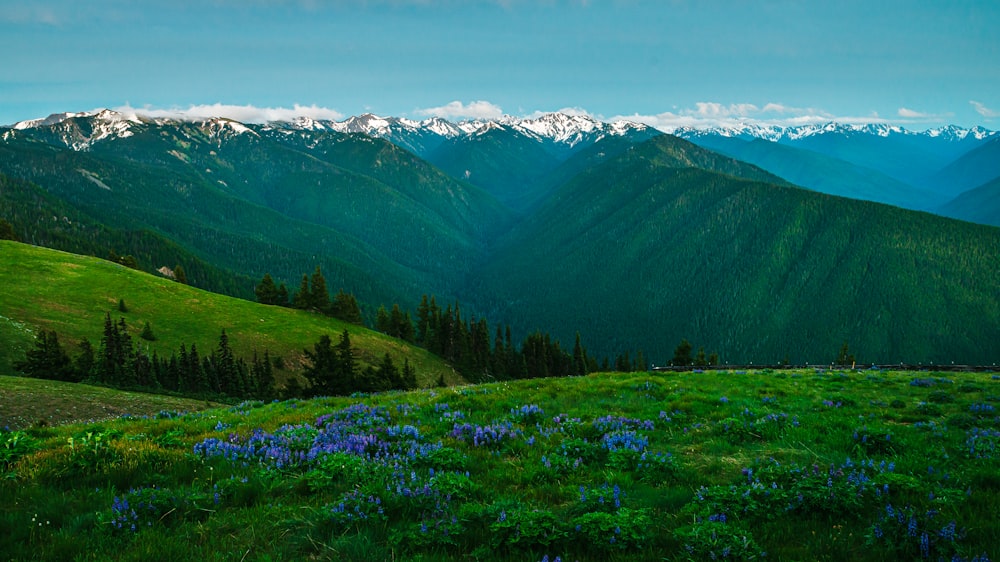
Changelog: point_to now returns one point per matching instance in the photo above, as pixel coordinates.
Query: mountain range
(915, 170)
(633, 238)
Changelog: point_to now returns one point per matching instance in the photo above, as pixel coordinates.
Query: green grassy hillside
(791, 465)
(52, 290)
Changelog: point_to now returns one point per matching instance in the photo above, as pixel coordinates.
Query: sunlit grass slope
(797, 465)
(52, 290)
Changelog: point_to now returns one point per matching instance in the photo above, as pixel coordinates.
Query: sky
(667, 63)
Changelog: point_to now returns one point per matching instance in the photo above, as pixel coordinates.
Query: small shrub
(897, 404)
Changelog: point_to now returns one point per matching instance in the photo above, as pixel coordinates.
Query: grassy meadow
(53, 290)
(760, 465)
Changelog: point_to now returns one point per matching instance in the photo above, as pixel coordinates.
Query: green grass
(52, 290)
(804, 465)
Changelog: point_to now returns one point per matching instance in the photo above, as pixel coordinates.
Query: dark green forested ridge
(646, 251)
(637, 246)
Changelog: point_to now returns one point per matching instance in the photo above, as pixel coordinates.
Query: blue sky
(668, 63)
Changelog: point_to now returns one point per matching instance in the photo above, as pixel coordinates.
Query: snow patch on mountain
(776, 133)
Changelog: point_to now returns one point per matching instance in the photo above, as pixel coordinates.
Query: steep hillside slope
(648, 249)
(52, 290)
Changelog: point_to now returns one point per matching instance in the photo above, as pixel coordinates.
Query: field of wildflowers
(786, 465)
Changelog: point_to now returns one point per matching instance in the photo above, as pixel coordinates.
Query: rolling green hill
(645, 250)
(52, 290)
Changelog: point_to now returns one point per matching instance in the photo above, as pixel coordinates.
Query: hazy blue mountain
(980, 204)
(822, 173)
(974, 168)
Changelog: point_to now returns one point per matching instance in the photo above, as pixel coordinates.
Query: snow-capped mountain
(777, 133)
(81, 130)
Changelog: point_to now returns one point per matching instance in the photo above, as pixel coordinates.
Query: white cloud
(985, 111)
(241, 113)
(458, 110)
(712, 114)
(912, 114)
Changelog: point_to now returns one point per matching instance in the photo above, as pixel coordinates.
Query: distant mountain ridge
(559, 128)
(874, 162)
(560, 223)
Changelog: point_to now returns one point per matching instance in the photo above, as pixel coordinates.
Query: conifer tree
(179, 274)
(84, 361)
(147, 332)
(382, 321)
(346, 363)
(47, 360)
(579, 358)
(266, 291)
(345, 307)
(319, 297)
(7, 231)
(409, 375)
(700, 360)
(282, 295)
(303, 298)
(423, 321)
(323, 371)
(682, 354)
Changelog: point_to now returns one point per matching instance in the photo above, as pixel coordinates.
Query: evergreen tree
(682, 354)
(47, 360)
(147, 332)
(323, 371)
(423, 321)
(387, 375)
(263, 376)
(382, 322)
(700, 360)
(345, 307)
(7, 231)
(303, 298)
(844, 356)
(319, 297)
(179, 275)
(226, 368)
(579, 358)
(282, 295)
(346, 363)
(400, 324)
(640, 361)
(409, 375)
(122, 307)
(266, 291)
(713, 358)
(84, 361)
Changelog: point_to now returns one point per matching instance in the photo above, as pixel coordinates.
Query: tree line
(469, 344)
(119, 362)
(312, 295)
